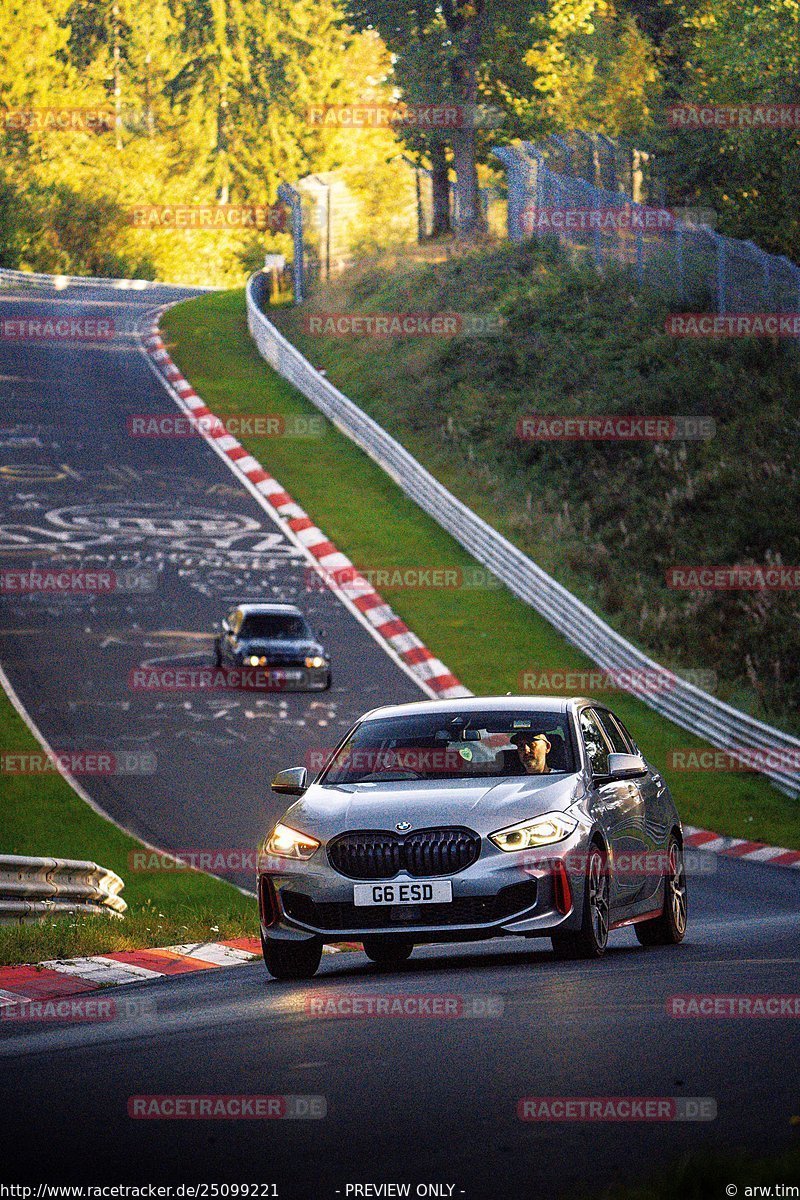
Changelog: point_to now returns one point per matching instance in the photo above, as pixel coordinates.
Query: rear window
(475, 745)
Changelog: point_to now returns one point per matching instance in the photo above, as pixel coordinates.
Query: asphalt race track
(425, 1100)
(170, 518)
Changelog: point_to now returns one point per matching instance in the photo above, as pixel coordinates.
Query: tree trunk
(440, 190)
(468, 216)
(464, 72)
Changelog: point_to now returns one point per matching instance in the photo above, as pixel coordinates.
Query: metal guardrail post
(292, 197)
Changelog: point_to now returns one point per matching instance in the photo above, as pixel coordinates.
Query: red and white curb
(431, 674)
(731, 847)
(62, 978)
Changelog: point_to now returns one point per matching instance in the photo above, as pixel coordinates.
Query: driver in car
(533, 749)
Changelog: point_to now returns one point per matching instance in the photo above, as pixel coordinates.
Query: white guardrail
(772, 752)
(34, 888)
(11, 277)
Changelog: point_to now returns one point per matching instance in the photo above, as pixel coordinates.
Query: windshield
(476, 745)
(274, 625)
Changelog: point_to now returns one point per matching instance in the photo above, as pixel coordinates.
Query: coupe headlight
(253, 660)
(315, 661)
(288, 843)
(541, 831)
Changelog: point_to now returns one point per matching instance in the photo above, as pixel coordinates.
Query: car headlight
(288, 843)
(315, 661)
(541, 831)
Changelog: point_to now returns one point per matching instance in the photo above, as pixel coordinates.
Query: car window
(612, 731)
(595, 742)
(632, 748)
(449, 745)
(234, 619)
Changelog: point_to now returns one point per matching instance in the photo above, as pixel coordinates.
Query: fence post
(612, 159)
(565, 149)
(640, 257)
(681, 284)
(518, 175)
(291, 196)
(722, 257)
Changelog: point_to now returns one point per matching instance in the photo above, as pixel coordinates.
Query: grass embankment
(607, 519)
(485, 635)
(41, 815)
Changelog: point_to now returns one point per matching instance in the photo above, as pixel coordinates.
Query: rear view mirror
(626, 766)
(292, 782)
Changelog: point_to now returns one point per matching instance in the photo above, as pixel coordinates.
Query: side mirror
(292, 782)
(626, 766)
(226, 627)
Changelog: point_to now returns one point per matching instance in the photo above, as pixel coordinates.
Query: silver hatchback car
(452, 821)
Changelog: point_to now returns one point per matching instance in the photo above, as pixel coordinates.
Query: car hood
(298, 647)
(485, 805)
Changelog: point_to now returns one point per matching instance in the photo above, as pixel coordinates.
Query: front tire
(591, 939)
(291, 960)
(669, 928)
(387, 953)
(217, 653)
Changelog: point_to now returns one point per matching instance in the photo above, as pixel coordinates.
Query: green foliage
(738, 52)
(212, 100)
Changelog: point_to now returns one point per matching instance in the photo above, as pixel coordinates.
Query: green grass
(705, 1176)
(41, 815)
(486, 636)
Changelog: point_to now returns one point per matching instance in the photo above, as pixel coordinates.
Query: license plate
(438, 892)
(278, 675)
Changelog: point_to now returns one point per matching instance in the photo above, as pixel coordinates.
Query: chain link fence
(688, 262)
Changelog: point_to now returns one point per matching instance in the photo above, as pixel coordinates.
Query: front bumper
(284, 677)
(499, 895)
